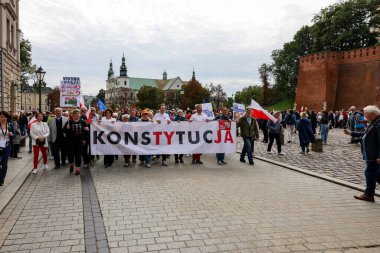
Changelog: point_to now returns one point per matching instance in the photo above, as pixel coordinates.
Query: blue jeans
(372, 175)
(4, 162)
(23, 129)
(220, 156)
(146, 158)
(247, 148)
(324, 132)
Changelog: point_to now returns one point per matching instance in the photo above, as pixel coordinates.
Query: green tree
(54, 98)
(244, 96)
(217, 95)
(264, 73)
(150, 97)
(346, 25)
(27, 68)
(101, 95)
(194, 93)
(286, 63)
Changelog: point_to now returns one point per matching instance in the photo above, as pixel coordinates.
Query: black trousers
(265, 132)
(15, 150)
(86, 154)
(75, 153)
(58, 150)
(273, 137)
(108, 159)
(180, 157)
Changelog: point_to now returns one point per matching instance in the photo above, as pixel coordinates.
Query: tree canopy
(194, 93)
(150, 97)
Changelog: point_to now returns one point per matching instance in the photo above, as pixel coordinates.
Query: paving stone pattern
(230, 208)
(338, 159)
(46, 215)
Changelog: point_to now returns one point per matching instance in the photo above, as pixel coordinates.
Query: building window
(125, 82)
(46, 107)
(30, 107)
(45, 100)
(12, 35)
(8, 30)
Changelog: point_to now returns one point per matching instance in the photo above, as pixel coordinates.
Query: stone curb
(316, 175)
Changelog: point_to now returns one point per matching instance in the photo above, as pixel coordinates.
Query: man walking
(198, 116)
(370, 140)
(57, 138)
(159, 117)
(248, 131)
(290, 121)
(224, 116)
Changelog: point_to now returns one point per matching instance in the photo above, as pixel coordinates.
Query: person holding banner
(159, 117)
(145, 159)
(198, 116)
(249, 131)
(108, 159)
(224, 116)
(275, 130)
(57, 138)
(76, 131)
(179, 117)
(86, 151)
(127, 158)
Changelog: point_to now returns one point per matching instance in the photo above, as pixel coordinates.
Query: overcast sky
(224, 40)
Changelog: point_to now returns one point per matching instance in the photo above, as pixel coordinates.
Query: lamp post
(40, 73)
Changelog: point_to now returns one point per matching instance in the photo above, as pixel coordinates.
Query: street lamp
(40, 73)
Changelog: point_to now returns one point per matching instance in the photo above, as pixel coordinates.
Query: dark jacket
(247, 130)
(305, 132)
(274, 127)
(370, 140)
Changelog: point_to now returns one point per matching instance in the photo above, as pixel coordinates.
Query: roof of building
(31, 89)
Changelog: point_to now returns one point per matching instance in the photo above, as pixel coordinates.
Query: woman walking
(76, 131)
(6, 136)
(305, 133)
(16, 137)
(274, 131)
(39, 131)
(179, 117)
(108, 159)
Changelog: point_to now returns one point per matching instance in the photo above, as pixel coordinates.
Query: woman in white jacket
(39, 131)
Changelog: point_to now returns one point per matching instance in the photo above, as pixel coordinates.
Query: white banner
(150, 138)
(70, 91)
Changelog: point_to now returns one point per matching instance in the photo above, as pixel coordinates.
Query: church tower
(110, 71)
(164, 75)
(123, 68)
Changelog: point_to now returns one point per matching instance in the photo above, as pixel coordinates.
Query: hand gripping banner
(149, 138)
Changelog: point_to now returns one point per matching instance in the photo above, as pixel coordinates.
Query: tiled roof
(136, 83)
(30, 89)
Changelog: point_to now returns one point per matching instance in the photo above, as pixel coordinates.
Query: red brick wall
(341, 79)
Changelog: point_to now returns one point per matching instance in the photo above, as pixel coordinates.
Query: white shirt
(198, 117)
(112, 120)
(38, 129)
(161, 117)
(4, 136)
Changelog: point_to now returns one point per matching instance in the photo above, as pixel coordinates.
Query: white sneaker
(164, 163)
(281, 153)
(46, 166)
(148, 165)
(34, 171)
(269, 152)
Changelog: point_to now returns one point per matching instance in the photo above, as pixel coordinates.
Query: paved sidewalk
(18, 171)
(338, 159)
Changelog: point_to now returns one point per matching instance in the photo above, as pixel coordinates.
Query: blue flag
(101, 105)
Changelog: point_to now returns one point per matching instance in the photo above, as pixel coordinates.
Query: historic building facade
(10, 94)
(338, 80)
(121, 91)
(29, 99)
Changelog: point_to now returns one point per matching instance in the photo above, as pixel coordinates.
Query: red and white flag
(301, 109)
(89, 114)
(80, 101)
(259, 113)
(31, 121)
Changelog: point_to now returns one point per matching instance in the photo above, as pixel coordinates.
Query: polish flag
(259, 113)
(301, 109)
(31, 121)
(89, 114)
(80, 101)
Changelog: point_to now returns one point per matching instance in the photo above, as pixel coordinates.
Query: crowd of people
(66, 134)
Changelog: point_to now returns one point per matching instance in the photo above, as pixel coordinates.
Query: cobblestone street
(187, 208)
(338, 159)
